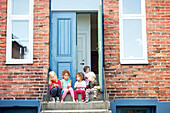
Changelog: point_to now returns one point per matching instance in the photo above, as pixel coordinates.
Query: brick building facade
(25, 81)
(138, 81)
(123, 81)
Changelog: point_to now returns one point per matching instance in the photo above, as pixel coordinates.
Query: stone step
(69, 98)
(78, 111)
(76, 106)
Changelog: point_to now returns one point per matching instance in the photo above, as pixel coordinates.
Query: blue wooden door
(63, 43)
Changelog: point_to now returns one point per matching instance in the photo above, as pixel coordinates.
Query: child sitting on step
(66, 85)
(80, 86)
(86, 70)
(54, 86)
(93, 86)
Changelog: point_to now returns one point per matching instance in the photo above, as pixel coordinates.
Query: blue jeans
(56, 91)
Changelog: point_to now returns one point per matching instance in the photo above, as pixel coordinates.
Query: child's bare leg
(62, 100)
(73, 99)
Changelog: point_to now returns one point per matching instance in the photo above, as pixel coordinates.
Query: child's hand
(97, 87)
(69, 85)
(77, 86)
(55, 85)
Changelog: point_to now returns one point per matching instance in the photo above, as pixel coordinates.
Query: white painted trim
(142, 16)
(20, 17)
(10, 18)
(74, 9)
(134, 62)
(100, 2)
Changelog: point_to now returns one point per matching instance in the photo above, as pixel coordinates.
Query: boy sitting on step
(93, 86)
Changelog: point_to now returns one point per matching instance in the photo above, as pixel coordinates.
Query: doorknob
(82, 63)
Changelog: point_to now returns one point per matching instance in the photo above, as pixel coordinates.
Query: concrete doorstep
(76, 106)
(94, 106)
(77, 111)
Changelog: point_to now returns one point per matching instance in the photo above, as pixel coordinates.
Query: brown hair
(81, 75)
(85, 68)
(64, 72)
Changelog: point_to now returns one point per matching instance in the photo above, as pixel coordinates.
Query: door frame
(102, 37)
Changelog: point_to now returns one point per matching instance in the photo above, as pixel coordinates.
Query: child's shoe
(95, 97)
(53, 100)
(87, 100)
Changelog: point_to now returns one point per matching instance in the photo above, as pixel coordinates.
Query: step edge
(74, 110)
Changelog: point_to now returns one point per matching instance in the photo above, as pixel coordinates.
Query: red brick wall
(123, 81)
(139, 81)
(26, 81)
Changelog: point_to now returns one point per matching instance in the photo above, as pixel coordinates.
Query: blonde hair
(50, 74)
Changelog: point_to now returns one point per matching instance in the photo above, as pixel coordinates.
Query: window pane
(20, 7)
(131, 6)
(132, 38)
(20, 29)
(20, 49)
(134, 111)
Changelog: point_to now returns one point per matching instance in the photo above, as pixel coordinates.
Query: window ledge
(134, 62)
(19, 62)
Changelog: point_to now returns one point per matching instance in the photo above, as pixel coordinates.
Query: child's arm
(61, 84)
(75, 85)
(50, 86)
(83, 85)
(96, 83)
(70, 82)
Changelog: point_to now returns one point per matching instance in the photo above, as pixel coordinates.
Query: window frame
(10, 18)
(148, 109)
(141, 16)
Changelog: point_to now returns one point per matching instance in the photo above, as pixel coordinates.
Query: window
(19, 48)
(135, 109)
(132, 21)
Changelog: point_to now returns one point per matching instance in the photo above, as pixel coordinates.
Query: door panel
(63, 43)
(63, 40)
(82, 55)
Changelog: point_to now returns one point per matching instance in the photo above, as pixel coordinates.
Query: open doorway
(87, 39)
